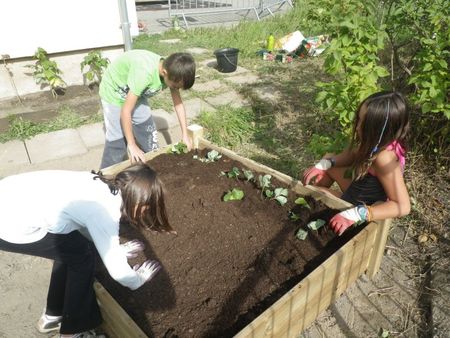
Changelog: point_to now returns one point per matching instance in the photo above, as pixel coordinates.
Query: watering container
(227, 59)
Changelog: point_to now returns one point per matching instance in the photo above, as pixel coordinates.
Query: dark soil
(230, 260)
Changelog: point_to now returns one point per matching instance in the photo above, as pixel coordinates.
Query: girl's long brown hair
(386, 120)
(142, 197)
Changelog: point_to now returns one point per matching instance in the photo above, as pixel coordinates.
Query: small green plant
(178, 148)
(316, 225)
(46, 72)
(248, 174)
(301, 234)
(211, 156)
(302, 202)
(278, 194)
(96, 63)
(264, 183)
(233, 195)
(234, 173)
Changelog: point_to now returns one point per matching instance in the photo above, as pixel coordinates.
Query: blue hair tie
(375, 149)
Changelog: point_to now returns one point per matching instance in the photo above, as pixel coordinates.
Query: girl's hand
(146, 271)
(341, 221)
(132, 248)
(317, 172)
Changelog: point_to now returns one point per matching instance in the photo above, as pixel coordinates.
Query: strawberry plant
(279, 194)
(178, 148)
(211, 156)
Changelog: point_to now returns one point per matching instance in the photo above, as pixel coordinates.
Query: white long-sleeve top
(59, 202)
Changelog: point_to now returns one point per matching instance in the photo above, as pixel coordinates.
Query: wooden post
(195, 132)
(378, 247)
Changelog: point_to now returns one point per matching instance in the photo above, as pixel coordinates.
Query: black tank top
(366, 190)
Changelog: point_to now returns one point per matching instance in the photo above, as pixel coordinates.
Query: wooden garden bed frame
(300, 306)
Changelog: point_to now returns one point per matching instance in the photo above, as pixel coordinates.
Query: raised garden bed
(235, 268)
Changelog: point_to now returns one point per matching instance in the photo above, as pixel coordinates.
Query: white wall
(70, 28)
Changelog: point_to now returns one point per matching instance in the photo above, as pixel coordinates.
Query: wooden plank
(116, 322)
(328, 199)
(302, 304)
(379, 246)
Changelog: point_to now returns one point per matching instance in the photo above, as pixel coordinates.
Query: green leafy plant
(302, 202)
(264, 183)
(278, 194)
(248, 174)
(316, 225)
(211, 156)
(178, 148)
(234, 173)
(233, 195)
(301, 234)
(46, 72)
(96, 65)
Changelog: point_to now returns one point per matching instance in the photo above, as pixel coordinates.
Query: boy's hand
(135, 154)
(187, 142)
(318, 171)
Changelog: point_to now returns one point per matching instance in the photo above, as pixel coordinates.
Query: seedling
(248, 175)
(46, 72)
(233, 195)
(96, 64)
(178, 148)
(211, 156)
(293, 216)
(301, 234)
(316, 225)
(264, 183)
(279, 194)
(301, 201)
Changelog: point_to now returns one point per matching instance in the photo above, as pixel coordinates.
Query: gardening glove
(341, 221)
(318, 171)
(146, 271)
(132, 248)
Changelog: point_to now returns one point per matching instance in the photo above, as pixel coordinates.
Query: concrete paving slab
(231, 97)
(197, 50)
(267, 93)
(170, 41)
(243, 79)
(92, 134)
(55, 145)
(12, 153)
(164, 119)
(195, 106)
(209, 86)
(239, 70)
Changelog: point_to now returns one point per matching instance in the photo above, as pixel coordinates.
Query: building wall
(67, 30)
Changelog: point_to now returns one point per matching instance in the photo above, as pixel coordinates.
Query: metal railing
(187, 9)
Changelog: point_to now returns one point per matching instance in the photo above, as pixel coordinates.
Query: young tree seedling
(233, 195)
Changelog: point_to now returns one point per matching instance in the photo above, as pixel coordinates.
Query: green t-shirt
(136, 71)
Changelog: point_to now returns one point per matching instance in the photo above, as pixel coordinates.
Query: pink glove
(341, 221)
(132, 248)
(318, 171)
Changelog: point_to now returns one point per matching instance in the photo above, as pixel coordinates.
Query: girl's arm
(181, 114)
(134, 152)
(389, 172)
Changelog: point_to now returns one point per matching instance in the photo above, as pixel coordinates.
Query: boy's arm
(181, 114)
(134, 152)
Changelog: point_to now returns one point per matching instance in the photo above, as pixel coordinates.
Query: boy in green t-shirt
(126, 85)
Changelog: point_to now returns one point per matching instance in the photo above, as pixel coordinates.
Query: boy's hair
(142, 197)
(180, 67)
(386, 120)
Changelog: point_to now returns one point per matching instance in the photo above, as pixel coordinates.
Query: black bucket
(227, 59)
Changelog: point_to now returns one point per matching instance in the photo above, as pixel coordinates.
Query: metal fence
(187, 10)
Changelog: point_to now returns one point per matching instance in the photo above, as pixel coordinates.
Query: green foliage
(178, 148)
(46, 72)
(96, 65)
(301, 201)
(227, 126)
(233, 195)
(316, 225)
(301, 234)
(280, 195)
(248, 174)
(234, 173)
(320, 145)
(211, 156)
(352, 58)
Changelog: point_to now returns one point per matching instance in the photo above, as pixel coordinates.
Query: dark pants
(71, 293)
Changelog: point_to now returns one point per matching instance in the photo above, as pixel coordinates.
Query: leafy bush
(96, 65)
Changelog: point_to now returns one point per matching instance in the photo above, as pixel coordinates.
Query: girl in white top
(62, 215)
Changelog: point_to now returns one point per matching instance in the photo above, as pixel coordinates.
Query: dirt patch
(43, 107)
(230, 260)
